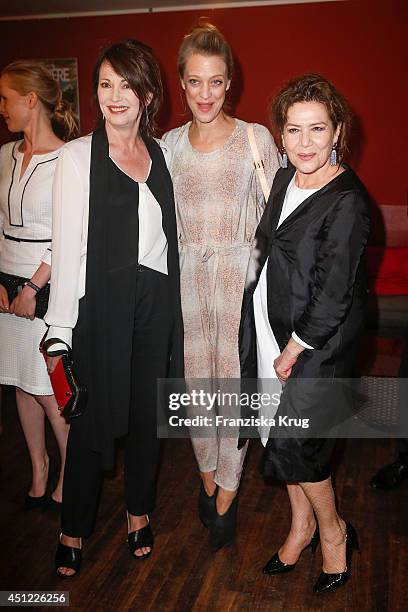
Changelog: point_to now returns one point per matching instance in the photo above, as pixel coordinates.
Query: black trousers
(150, 356)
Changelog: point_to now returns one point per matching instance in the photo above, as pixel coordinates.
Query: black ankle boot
(206, 506)
(330, 582)
(222, 528)
(276, 566)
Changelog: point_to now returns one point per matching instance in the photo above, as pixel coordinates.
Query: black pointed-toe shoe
(206, 506)
(31, 503)
(330, 582)
(276, 566)
(67, 556)
(141, 538)
(390, 476)
(223, 527)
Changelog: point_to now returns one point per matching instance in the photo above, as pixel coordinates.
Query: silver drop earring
(147, 116)
(283, 159)
(333, 156)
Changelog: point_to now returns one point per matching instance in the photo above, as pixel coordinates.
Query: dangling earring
(147, 116)
(283, 159)
(333, 155)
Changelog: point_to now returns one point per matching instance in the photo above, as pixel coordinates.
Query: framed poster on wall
(65, 71)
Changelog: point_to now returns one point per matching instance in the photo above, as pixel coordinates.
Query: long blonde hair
(29, 75)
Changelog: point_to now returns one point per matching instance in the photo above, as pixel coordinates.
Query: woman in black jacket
(308, 284)
(115, 294)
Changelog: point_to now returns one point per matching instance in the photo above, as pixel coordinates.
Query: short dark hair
(134, 61)
(314, 88)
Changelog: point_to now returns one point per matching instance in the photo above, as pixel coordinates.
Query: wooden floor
(182, 574)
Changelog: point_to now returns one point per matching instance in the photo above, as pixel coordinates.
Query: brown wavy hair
(314, 88)
(134, 61)
(32, 76)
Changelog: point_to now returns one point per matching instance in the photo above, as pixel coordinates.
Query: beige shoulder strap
(258, 163)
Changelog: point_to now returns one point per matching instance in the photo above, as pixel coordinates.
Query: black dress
(316, 286)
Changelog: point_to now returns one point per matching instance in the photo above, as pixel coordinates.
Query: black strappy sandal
(141, 538)
(67, 556)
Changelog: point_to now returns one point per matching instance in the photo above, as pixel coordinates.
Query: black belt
(7, 237)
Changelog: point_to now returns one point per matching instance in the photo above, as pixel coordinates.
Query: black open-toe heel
(206, 506)
(330, 582)
(276, 566)
(141, 538)
(67, 556)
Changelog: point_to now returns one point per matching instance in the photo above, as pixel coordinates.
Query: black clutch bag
(14, 284)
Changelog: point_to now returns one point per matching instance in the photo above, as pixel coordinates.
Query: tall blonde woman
(219, 202)
(31, 103)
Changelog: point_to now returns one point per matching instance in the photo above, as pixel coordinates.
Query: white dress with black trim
(25, 241)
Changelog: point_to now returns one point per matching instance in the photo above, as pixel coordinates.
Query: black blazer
(316, 274)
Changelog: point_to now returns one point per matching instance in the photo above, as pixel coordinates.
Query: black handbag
(14, 284)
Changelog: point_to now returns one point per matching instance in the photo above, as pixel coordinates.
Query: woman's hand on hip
(4, 302)
(284, 363)
(23, 304)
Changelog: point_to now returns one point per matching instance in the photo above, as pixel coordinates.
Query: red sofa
(387, 263)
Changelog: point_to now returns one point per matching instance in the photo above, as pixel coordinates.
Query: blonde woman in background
(31, 103)
(219, 202)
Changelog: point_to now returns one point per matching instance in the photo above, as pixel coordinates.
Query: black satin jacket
(316, 274)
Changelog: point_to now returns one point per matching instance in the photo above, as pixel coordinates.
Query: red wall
(361, 45)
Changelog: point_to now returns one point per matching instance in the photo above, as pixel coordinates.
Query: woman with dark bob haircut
(307, 295)
(115, 294)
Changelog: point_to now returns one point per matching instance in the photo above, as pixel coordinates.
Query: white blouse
(25, 210)
(70, 235)
(152, 240)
